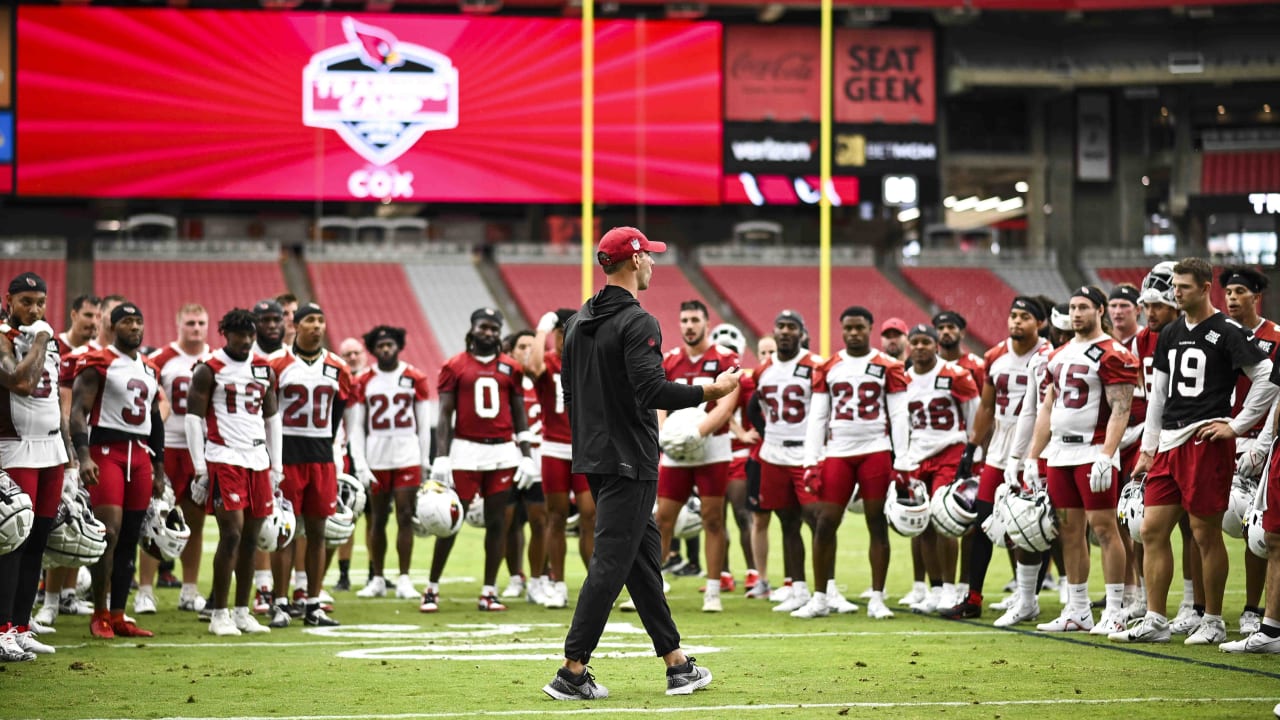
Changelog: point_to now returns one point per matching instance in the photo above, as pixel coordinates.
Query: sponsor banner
(792, 148)
(768, 189)
(771, 73)
(1093, 137)
(884, 75)
(246, 104)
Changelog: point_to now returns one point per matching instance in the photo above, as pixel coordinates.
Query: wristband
(80, 440)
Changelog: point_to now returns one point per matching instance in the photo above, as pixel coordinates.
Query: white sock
(819, 598)
(300, 580)
(488, 590)
(433, 587)
(50, 598)
(1115, 596)
(1078, 596)
(1028, 585)
(1188, 592)
(948, 588)
(243, 611)
(188, 590)
(713, 590)
(919, 585)
(799, 586)
(1207, 617)
(262, 578)
(962, 590)
(146, 590)
(1153, 615)
(877, 595)
(832, 590)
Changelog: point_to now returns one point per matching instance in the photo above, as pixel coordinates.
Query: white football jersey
(939, 402)
(126, 389)
(307, 392)
(1079, 372)
(784, 387)
(31, 426)
(237, 432)
(859, 389)
(175, 368)
(391, 424)
(1012, 376)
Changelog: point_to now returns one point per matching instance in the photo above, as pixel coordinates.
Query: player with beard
(234, 438)
(476, 452)
(1244, 287)
(116, 392)
(1009, 378)
(857, 415)
(1080, 423)
(83, 328)
(700, 362)
(269, 320)
(1188, 446)
(950, 326)
(175, 362)
(893, 339)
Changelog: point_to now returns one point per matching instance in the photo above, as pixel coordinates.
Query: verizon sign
(770, 150)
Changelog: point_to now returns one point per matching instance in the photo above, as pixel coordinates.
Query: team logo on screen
(379, 94)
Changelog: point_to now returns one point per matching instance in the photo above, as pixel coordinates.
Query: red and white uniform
(1080, 371)
(1267, 337)
(1011, 375)
(702, 370)
(392, 437)
(67, 369)
(532, 410)
(859, 388)
(975, 364)
(120, 426)
(176, 368)
(485, 392)
(237, 432)
(784, 387)
(553, 416)
(31, 445)
(308, 392)
(941, 404)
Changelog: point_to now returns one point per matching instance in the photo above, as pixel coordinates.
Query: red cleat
(124, 627)
(100, 626)
(727, 583)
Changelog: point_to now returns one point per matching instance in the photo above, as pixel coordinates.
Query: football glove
(1100, 475)
(200, 488)
(37, 327)
(527, 473)
(442, 471)
(1011, 469)
(548, 322)
(1031, 475)
(366, 478)
(277, 478)
(1251, 464)
(965, 468)
(813, 479)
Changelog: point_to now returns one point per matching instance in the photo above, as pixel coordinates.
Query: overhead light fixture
(987, 204)
(965, 204)
(909, 214)
(1022, 186)
(1010, 205)
(949, 202)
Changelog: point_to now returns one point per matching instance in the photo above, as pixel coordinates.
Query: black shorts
(753, 485)
(533, 495)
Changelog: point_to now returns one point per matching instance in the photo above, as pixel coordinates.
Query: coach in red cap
(613, 384)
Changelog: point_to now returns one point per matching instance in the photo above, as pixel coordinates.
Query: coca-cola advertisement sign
(771, 73)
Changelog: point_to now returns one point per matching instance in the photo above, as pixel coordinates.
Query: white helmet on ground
(352, 493)
(278, 528)
(164, 531)
(1130, 509)
(729, 336)
(16, 515)
(77, 538)
(438, 511)
(952, 507)
(475, 512)
(340, 526)
(679, 436)
(1239, 503)
(907, 508)
(993, 527)
(1029, 520)
(689, 521)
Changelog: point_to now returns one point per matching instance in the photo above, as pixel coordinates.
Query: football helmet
(475, 512)
(340, 526)
(438, 511)
(1255, 536)
(993, 527)
(277, 528)
(907, 508)
(729, 336)
(164, 531)
(952, 507)
(1030, 520)
(16, 515)
(679, 436)
(1239, 503)
(352, 493)
(78, 538)
(689, 521)
(1130, 508)
(1157, 286)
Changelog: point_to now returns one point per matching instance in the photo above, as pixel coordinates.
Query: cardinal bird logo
(380, 94)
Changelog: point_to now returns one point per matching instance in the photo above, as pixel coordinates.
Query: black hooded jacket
(613, 383)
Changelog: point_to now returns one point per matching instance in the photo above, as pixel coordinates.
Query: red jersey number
(297, 398)
(1002, 390)
(864, 401)
(252, 401)
(1072, 386)
(136, 413)
(178, 398)
(785, 406)
(939, 414)
(386, 412)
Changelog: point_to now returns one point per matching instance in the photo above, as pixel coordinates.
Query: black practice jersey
(1203, 363)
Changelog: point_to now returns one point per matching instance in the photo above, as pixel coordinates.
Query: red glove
(813, 479)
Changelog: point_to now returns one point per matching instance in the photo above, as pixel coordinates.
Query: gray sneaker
(279, 615)
(567, 686)
(684, 679)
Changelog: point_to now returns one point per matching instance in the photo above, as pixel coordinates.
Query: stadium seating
(448, 290)
(758, 292)
(160, 287)
(976, 293)
(1035, 281)
(54, 273)
(358, 296)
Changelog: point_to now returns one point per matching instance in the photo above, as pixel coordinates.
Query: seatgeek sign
(164, 102)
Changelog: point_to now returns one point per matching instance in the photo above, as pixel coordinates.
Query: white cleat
(1137, 608)
(40, 629)
(405, 589)
(11, 651)
(1258, 642)
(27, 641)
(1210, 632)
(1250, 622)
(878, 610)
(222, 625)
(866, 594)
(246, 623)
(1147, 630)
(1109, 622)
(1186, 621)
(780, 594)
(557, 596)
(816, 607)
(836, 601)
(191, 603)
(376, 588)
(144, 603)
(919, 591)
(797, 599)
(47, 615)
(1006, 603)
(515, 588)
(628, 605)
(712, 604)
(1069, 621)
(535, 591)
(930, 603)
(325, 598)
(1019, 613)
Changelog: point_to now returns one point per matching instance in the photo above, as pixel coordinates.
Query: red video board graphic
(298, 106)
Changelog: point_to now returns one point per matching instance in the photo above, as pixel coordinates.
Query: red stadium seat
(976, 293)
(54, 273)
(358, 296)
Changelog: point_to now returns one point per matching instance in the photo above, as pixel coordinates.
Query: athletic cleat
(326, 600)
(866, 594)
(144, 603)
(567, 686)
(430, 602)
(628, 605)
(376, 588)
(535, 591)
(1147, 630)
(1109, 622)
(1008, 601)
(515, 588)
(41, 629)
(27, 641)
(684, 679)
(1250, 622)
(930, 602)
(919, 591)
(405, 589)
(1018, 613)
(11, 651)
(815, 608)
(672, 564)
(1258, 642)
(317, 617)
(222, 625)
(168, 580)
(1210, 632)
(781, 594)
(760, 589)
(47, 615)
(836, 601)
(246, 623)
(1137, 608)
(796, 599)
(280, 616)
(491, 603)
(689, 569)
(1186, 621)
(712, 604)
(970, 607)
(877, 610)
(343, 584)
(100, 626)
(1069, 621)
(192, 603)
(727, 583)
(749, 581)
(124, 626)
(557, 596)
(262, 601)
(69, 604)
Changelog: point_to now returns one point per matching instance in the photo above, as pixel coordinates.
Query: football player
(742, 437)
(390, 443)
(558, 480)
(529, 504)
(116, 392)
(288, 303)
(315, 388)
(950, 326)
(85, 316)
(175, 362)
(1124, 307)
(234, 442)
(269, 319)
(941, 401)
(33, 450)
(1080, 423)
(355, 356)
(483, 386)
(699, 362)
(1009, 375)
(858, 414)
(1188, 448)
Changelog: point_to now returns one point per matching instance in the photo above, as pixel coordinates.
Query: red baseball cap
(621, 243)
(893, 323)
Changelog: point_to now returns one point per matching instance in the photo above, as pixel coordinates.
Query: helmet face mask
(164, 531)
(17, 516)
(279, 527)
(907, 508)
(77, 538)
(340, 526)
(689, 521)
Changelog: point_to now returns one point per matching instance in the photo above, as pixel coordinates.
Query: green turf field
(388, 660)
